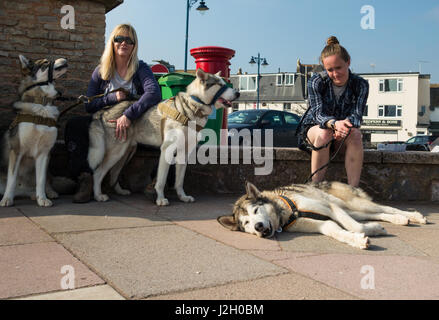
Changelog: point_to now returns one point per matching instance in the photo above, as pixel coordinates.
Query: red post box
(213, 59)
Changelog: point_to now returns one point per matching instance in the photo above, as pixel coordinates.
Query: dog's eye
(255, 211)
(246, 223)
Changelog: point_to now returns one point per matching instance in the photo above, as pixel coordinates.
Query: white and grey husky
(32, 134)
(161, 126)
(329, 208)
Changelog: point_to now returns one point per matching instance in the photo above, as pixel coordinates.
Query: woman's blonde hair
(108, 61)
(333, 47)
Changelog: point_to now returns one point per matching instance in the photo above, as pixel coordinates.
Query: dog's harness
(169, 111)
(296, 213)
(24, 117)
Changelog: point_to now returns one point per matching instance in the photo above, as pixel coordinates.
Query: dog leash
(333, 156)
(84, 99)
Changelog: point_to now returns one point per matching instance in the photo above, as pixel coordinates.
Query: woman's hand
(120, 95)
(122, 124)
(341, 129)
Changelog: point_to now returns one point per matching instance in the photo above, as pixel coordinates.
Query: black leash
(332, 157)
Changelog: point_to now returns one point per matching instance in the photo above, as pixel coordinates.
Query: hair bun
(332, 40)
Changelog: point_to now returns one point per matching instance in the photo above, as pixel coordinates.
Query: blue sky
(282, 31)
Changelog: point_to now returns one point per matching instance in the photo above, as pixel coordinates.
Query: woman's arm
(315, 90)
(95, 88)
(151, 96)
(357, 113)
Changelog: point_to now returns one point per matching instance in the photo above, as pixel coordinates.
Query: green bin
(173, 83)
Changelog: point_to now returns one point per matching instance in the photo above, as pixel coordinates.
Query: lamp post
(202, 8)
(264, 63)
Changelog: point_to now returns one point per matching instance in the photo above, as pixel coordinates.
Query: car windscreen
(243, 117)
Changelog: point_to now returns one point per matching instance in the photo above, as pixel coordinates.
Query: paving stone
(104, 292)
(141, 262)
(17, 229)
(66, 216)
(290, 286)
(371, 277)
(36, 268)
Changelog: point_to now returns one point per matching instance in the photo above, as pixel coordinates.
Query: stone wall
(33, 28)
(393, 176)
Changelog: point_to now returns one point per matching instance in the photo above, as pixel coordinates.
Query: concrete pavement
(128, 248)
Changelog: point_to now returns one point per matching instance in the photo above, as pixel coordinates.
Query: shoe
(85, 190)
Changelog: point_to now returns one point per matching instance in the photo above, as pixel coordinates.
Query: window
(273, 118)
(391, 85)
(291, 119)
(280, 79)
(247, 83)
(289, 79)
(389, 111)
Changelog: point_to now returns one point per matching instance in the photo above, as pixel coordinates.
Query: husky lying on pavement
(32, 134)
(160, 126)
(329, 208)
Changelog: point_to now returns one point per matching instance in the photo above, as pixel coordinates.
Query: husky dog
(329, 208)
(33, 133)
(161, 126)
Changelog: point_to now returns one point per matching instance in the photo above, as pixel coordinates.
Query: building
(398, 106)
(34, 29)
(434, 108)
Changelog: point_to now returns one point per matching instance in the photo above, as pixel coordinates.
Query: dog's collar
(296, 213)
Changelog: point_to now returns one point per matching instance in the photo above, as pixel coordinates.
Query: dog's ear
(26, 64)
(218, 74)
(228, 222)
(252, 191)
(201, 74)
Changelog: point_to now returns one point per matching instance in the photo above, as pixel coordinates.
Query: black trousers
(77, 142)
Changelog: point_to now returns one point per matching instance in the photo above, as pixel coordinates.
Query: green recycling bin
(173, 83)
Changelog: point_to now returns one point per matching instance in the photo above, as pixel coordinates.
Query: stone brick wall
(33, 28)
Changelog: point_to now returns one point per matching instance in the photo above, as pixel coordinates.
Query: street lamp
(202, 8)
(264, 63)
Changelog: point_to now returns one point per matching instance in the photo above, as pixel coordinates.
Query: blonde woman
(337, 99)
(119, 68)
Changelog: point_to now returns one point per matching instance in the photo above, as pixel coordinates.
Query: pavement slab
(371, 277)
(65, 216)
(37, 268)
(290, 286)
(17, 229)
(103, 292)
(142, 262)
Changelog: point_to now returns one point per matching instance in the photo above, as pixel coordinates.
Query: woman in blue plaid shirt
(337, 99)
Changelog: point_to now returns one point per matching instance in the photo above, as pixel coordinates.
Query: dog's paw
(7, 202)
(102, 198)
(375, 229)
(162, 202)
(186, 199)
(360, 241)
(51, 194)
(120, 191)
(44, 202)
(418, 218)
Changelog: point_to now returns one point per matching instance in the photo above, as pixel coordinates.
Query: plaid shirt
(324, 106)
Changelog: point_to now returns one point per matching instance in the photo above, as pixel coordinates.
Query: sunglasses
(120, 39)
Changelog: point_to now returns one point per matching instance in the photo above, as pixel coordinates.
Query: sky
(390, 36)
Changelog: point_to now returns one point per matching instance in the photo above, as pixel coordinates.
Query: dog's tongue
(225, 102)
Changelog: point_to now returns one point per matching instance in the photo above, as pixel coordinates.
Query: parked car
(283, 124)
(416, 143)
(420, 142)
